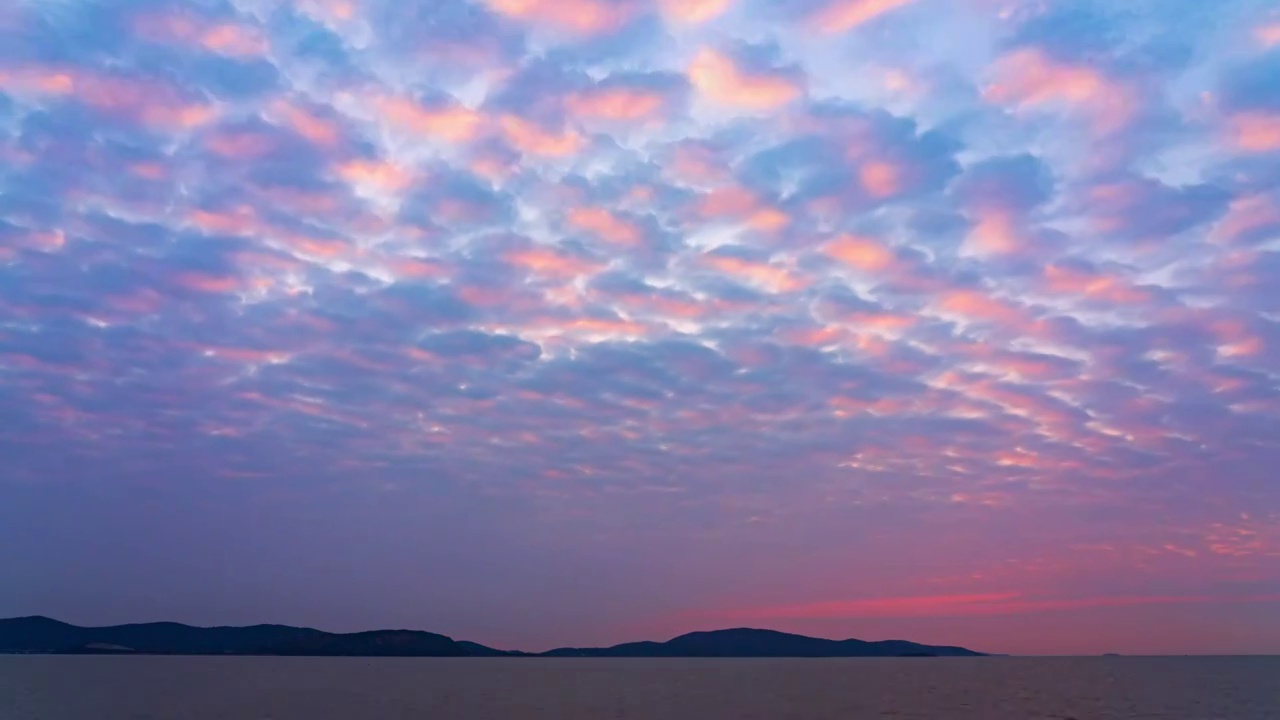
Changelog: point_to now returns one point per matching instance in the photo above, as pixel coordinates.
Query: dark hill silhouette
(40, 634)
(749, 642)
(377, 643)
(44, 635)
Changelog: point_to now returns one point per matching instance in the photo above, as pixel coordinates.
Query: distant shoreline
(46, 636)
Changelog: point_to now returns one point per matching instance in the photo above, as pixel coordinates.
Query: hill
(750, 642)
(45, 635)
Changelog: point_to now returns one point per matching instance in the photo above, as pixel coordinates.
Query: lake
(34, 687)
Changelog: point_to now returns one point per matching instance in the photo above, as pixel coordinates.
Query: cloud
(694, 12)
(187, 29)
(1030, 80)
(451, 123)
(840, 16)
(968, 605)
(722, 79)
(587, 17)
(628, 98)
(575, 271)
(528, 137)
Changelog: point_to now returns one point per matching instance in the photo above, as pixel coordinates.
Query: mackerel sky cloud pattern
(956, 320)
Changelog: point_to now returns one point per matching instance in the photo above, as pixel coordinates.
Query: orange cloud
(1029, 78)
(586, 17)
(453, 124)
(1256, 132)
(693, 12)
(529, 138)
(616, 104)
(606, 225)
(770, 277)
(842, 15)
(717, 77)
(861, 253)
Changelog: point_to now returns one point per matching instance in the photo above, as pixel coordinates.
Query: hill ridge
(40, 634)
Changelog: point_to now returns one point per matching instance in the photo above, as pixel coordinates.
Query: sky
(575, 322)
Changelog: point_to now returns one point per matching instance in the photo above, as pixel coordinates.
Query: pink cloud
(770, 277)
(735, 203)
(1100, 286)
(453, 124)
(1005, 603)
(187, 29)
(1246, 215)
(1030, 79)
(331, 13)
(1255, 132)
(381, 175)
(205, 282)
(585, 17)
(1268, 35)
(318, 130)
(995, 233)
(148, 102)
(38, 81)
(881, 178)
(616, 103)
(529, 138)
(693, 12)
(860, 253)
(248, 356)
(698, 165)
(718, 77)
(606, 225)
(241, 220)
(842, 15)
(239, 145)
(43, 240)
(550, 263)
(980, 306)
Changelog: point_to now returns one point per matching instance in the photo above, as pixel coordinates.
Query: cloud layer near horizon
(793, 308)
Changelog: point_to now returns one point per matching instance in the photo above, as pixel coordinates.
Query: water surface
(263, 688)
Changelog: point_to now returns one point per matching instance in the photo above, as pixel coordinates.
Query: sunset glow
(543, 322)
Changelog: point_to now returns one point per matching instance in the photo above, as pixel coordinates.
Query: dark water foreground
(272, 688)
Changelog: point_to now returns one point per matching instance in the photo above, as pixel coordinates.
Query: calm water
(176, 688)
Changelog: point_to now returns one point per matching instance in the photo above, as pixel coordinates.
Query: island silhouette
(37, 634)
